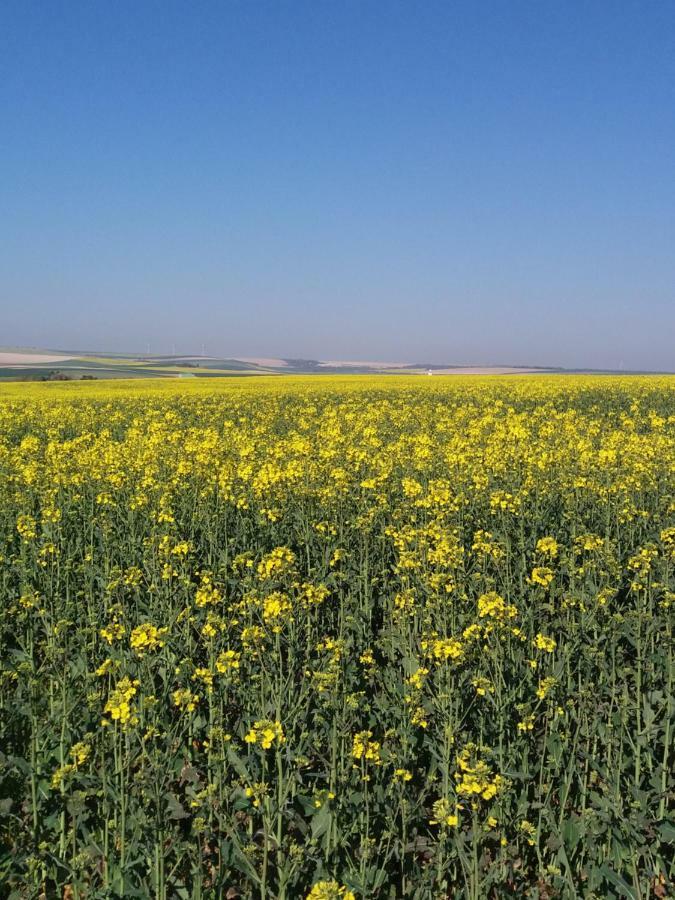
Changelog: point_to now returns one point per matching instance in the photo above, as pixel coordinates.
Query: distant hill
(32, 364)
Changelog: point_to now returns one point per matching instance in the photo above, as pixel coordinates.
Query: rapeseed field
(338, 638)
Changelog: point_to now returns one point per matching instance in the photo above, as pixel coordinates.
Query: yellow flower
(207, 594)
(547, 546)
(147, 637)
(444, 648)
(528, 830)
(365, 749)
(503, 501)
(336, 557)
(251, 636)
(526, 724)
(313, 594)
(418, 717)
(256, 793)
(104, 668)
(276, 608)
(27, 527)
(227, 661)
(668, 540)
(60, 774)
(547, 644)
(80, 753)
(417, 679)
(330, 890)
(120, 702)
(113, 632)
(265, 732)
(545, 687)
(205, 675)
(495, 607)
(475, 778)
(276, 563)
(590, 542)
(185, 699)
(444, 813)
(28, 600)
(541, 575)
(482, 685)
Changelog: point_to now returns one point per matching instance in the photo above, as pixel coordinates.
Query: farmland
(346, 637)
(36, 365)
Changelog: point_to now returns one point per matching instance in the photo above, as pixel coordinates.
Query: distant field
(35, 366)
(9, 358)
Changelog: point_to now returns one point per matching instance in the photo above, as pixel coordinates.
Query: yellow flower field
(351, 637)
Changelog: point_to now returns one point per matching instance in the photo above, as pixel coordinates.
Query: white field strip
(370, 364)
(266, 361)
(29, 359)
(483, 370)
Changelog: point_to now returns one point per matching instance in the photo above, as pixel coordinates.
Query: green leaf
(618, 882)
(321, 821)
(573, 831)
(237, 763)
(174, 808)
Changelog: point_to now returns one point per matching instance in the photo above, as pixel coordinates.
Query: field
(33, 365)
(349, 637)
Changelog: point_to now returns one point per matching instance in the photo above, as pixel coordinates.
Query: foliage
(337, 637)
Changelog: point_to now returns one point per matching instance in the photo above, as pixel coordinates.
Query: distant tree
(55, 375)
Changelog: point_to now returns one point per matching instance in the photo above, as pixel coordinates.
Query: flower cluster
(266, 733)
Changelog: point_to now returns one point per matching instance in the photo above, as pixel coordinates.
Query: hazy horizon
(460, 184)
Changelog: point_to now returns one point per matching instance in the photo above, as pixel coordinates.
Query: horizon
(48, 358)
(462, 184)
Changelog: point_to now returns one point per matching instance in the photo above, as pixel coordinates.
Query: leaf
(321, 821)
(573, 831)
(618, 882)
(237, 763)
(189, 774)
(174, 808)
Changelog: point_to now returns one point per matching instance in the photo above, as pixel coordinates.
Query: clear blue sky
(488, 182)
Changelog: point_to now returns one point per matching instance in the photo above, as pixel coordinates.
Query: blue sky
(468, 183)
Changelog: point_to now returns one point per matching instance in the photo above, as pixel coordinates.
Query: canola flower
(330, 890)
(545, 643)
(547, 546)
(120, 704)
(365, 749)
(337, 637)
(185, 699)
(113, 632)
(266, 733)
(444, 814)
(147, 637)
(542, 575)
(492, 606)
(475, 777)
(228, 662)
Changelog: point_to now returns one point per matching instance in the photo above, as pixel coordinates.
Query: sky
(433, 182)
